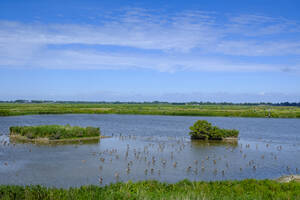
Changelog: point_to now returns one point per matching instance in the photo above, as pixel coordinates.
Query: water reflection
(54, 143)
(204, 144)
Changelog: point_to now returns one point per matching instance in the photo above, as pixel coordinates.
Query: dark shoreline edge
(147, 114)
(19, 138)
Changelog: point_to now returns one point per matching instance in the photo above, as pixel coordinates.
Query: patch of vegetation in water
(54, 132)
(245, 189)
(204, 130)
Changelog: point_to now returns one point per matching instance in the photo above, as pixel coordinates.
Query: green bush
(54, 131)
(203, 130)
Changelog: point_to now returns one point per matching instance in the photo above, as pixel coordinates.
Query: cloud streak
(190, 40)
(72, 59)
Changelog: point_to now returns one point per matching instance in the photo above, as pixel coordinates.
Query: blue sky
(236, 51)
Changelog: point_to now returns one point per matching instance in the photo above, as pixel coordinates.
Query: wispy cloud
(190, 40)
(258, 48)
(85, 59)
(258, 25)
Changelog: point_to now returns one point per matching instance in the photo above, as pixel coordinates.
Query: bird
(100, 180)
(152, 170)
(174, 164)
(128, 170)
(189, 168)
(117, 175)
(215, 171)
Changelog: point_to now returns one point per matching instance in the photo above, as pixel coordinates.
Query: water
(267, 148)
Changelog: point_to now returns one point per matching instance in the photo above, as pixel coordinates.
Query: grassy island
(53, 132)
(203, 130)
(245, 189)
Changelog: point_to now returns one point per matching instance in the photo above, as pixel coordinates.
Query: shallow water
(267, 148)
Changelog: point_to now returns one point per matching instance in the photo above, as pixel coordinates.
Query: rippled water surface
(150, 147)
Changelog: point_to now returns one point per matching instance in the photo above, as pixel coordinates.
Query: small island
(48, 133)
(203, 130)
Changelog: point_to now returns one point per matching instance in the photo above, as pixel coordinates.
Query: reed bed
(54, 132)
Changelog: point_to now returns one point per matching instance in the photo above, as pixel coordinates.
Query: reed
(54, 132)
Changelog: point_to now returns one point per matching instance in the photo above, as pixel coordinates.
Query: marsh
(144, 147)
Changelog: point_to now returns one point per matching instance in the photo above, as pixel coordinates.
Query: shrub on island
(203, 130)
(54, 132)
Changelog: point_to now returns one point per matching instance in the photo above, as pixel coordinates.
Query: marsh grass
(245, 189)
(9, 109)
(54, 132)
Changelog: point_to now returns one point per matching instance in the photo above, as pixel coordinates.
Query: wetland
(147, 147)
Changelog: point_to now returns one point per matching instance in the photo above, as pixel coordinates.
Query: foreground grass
(8, 109)
(246, 189)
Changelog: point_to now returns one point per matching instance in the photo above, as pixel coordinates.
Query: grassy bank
(9, 109)
(246, 189)
(53, 132)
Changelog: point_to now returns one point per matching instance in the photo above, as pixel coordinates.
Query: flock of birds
(159, 157)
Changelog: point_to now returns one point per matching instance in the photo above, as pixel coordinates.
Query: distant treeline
(154, 102)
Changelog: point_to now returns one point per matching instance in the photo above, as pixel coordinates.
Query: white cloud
(255, 48)
(259, 25)
(71, 59)
(186, 41)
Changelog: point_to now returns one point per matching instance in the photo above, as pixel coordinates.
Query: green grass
(202, 129)
(9, 109)
(246, 189)
(54, 131)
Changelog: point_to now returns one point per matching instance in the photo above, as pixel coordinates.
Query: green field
(8, 109)
(246, 189)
